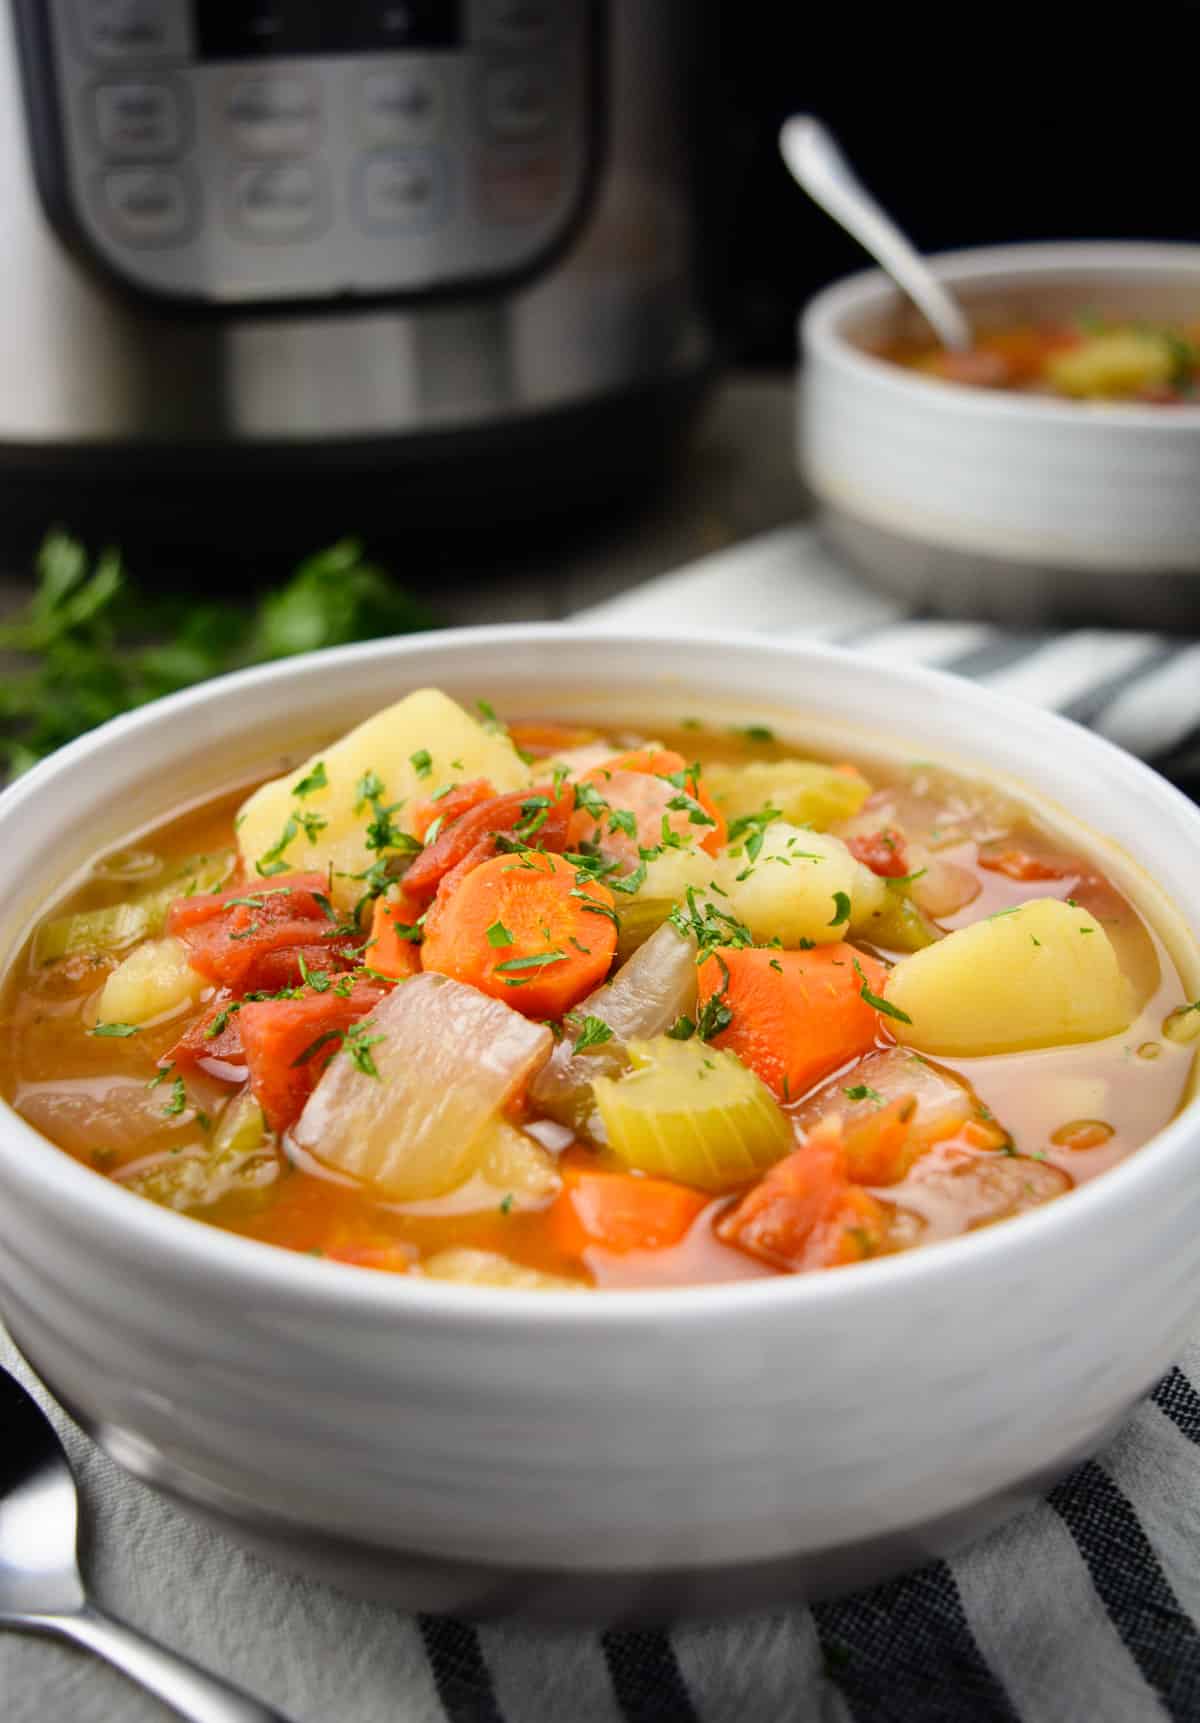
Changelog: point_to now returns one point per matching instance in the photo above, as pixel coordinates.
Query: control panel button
(279, 201)
(520, 189)
(404, 189)
(517, 101)
(272, 116)
(133, 29)
(515, 20)
(137, 121)
(146, 206)
(402, 105)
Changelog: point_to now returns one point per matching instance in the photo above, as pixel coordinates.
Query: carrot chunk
(805, 1214)
(619, 1212)
(633, 789)
(288, 1042)
(391, 949)
(795, 1015)
(527, 929)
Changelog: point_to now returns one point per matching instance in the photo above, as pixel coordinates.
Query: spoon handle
(196, 1695)
(816, 163)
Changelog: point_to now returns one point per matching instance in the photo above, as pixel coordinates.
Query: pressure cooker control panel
(235, 151)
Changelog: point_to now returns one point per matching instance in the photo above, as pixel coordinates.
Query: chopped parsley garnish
(506, 1204)
(318, 979)
(751, 828)
(714, 1014)
(622, 820)
(488, 714)
(863, 1092)
(841, 908)
(776, 966)
(220, 1022)
(498, 934)
(756, 733)
(534, 813)
(874, 1000)
(593, 1031)
(160, 1076)
(324, 1040)
(682, 1029)
(369, 788)
(540, 961)
(708, 925)
(271, 860)
(314, 780)
(588, 797)
(357, 1042)
(178, 1099)
(421, 762)
(118, 1031)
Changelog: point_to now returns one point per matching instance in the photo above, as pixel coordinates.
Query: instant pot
(449, 254)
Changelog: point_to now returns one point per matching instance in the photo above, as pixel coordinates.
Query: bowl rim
(822, 337)
(182, 1247)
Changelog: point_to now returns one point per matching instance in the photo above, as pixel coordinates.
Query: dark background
(973, 125)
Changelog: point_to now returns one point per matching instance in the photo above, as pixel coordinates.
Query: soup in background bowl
(644, 1448)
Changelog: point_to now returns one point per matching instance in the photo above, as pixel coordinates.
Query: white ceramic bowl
(634, 1451)
(1006, 505)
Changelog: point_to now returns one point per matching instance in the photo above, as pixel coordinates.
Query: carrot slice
(541, 737)
(389, 951)
(804, 1213)
(535, 815)
(796, 1015)
(636, 784)
(619, 1212)
(527, 929)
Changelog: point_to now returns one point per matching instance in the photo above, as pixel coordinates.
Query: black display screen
(260, 29)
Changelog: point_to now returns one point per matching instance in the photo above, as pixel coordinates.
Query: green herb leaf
(498, 934)
(682, 1029)
(539, 962)
(118, 1031)
(841, 908)
(874, 1000)
(421, 762)
(756, 733)
(593, 1032)
(178, 1099)
(315, 780)
(863, 1092)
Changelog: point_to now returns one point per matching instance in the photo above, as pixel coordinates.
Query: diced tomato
(275, 970)
(199, 1041)
(882, 851)
(805, 1213)
(636, 784)
(472, 836)
(452, 806)
(1023, 865)
(284, 1045)
(229, 933)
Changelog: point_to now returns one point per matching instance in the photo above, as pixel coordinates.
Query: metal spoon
(40, 1584)
(817, 164)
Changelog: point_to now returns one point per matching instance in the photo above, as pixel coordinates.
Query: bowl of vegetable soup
(1052, 470)
(543, 1120)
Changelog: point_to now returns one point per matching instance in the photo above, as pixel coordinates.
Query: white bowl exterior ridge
(635, 1431)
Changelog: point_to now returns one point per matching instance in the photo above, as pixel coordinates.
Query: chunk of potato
(425, 723)
(153, 981)
(1036, 976)
(801, 885)
(806, 792)
(1114, 363)
(525, 1175)
(488, 1268)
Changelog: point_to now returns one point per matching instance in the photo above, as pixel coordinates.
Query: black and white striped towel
(1085, 1610)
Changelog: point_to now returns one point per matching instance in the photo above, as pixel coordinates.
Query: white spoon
(817, 164)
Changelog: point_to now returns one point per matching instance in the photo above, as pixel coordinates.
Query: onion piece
(645, 997)
(449, 1059)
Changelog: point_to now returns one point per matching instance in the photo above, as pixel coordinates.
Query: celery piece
(638, 919)
(240, 1160)
(899, 925)
(117, 925)
(805, 792)
(690, 1112)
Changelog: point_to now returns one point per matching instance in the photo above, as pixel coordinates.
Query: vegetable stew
(541, 1005)
(1090, 359)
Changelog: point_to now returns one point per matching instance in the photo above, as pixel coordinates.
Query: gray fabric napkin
(1084, 1610)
